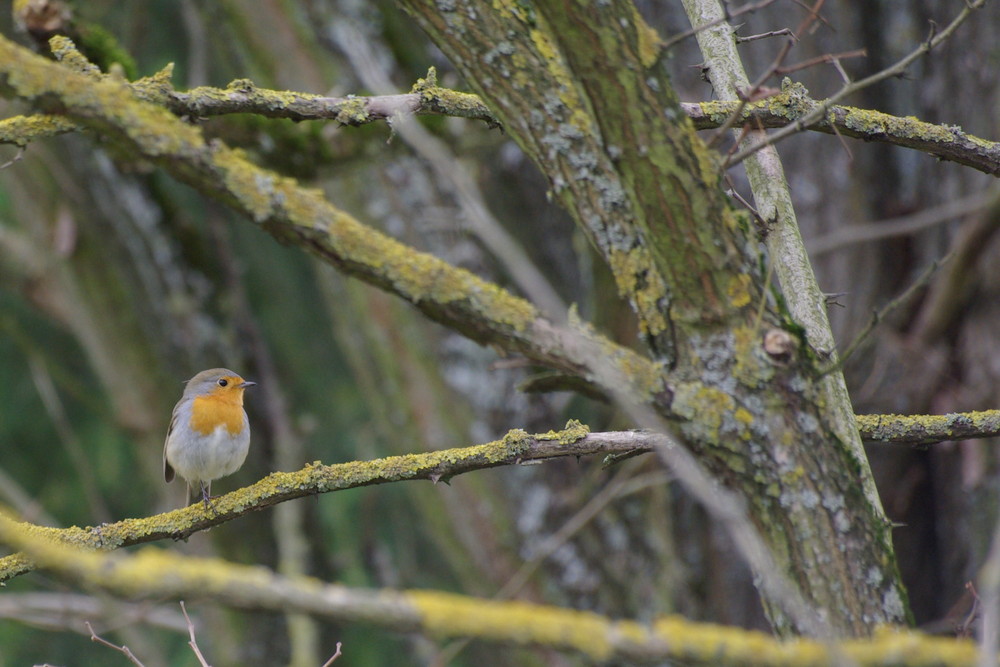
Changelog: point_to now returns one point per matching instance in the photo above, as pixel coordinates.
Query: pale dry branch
(64, 611)
(333, 658)
(745, 9)
(192, 637)
(124, 650)
(904, 225)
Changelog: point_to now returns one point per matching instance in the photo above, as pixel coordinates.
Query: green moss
(104, 49)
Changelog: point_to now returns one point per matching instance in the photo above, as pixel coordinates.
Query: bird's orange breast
(208, 412)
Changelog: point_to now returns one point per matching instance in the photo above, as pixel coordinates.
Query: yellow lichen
(638, 279)
(738, 290)
(574, 431)
(353, 112)
(648, 39)
(448, 615)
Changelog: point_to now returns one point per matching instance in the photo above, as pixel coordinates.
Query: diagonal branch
(515, 448)
(478, 309)
(157, 573)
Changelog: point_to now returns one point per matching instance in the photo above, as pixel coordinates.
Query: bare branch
(745, 9)
(192, 638)
(882, 313)
(903, 225)
(934, 40)
(333, 658)
(124, 650)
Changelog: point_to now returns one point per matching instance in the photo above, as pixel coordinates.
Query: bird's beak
(246, 384)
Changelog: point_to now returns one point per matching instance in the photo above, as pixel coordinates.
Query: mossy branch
(946, 142)
(243, 96)
(793, 104)
(514, 448)
(476, 308)
(928, 429)
(517, 447)
(155, 573)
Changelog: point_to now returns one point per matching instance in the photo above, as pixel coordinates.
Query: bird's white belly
(211, 456)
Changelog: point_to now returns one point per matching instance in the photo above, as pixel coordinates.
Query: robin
(209, 434)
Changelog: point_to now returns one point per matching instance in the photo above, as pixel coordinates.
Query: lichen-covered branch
(155, 573)
(514, 448)
(947, 142)
(242, 96)
(792, 104)
(928, 429)
(517, 447)
(455, 297)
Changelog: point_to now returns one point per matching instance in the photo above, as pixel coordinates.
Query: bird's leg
(206, 495)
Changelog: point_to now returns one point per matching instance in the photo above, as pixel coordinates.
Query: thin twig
(194, 640)
(900, 226)
(124, 650)
(934, 40)
(820, 60)
(17, 156)
(753, 92)
(879, 315)
(764, 35)
(333, 657)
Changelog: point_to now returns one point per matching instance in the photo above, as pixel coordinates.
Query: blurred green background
(117, 284)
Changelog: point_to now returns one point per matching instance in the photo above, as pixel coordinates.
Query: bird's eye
(223, 382)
